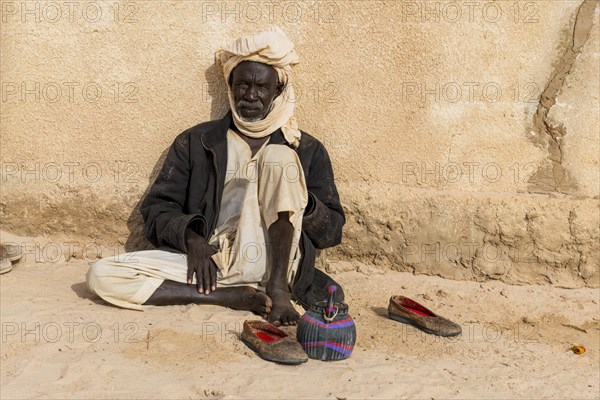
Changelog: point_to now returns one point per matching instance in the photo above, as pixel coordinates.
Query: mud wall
(464, 135)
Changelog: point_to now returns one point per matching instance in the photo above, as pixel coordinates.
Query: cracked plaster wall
(431, 117)
(581, 124)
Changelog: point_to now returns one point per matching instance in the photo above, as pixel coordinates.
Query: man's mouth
(250, 111)
(251, 107)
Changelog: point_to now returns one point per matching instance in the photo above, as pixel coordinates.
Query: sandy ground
(59, 341)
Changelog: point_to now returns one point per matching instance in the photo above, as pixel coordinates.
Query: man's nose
(252, 93)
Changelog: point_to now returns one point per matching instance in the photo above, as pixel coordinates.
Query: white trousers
(128, 280)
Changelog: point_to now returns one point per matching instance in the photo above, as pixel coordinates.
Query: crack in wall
(553, 177)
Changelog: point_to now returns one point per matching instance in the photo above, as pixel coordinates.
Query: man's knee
(96, 276)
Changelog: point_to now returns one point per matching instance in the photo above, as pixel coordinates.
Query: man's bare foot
(239, 297)
(248, 299)
(282, 312)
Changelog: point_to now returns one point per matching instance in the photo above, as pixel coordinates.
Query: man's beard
(252, 105)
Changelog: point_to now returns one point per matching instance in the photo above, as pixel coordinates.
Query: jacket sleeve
(324, 217)
(162, 208)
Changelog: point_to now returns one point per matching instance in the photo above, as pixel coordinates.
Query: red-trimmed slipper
(407, 311)
(272, 344)
(9, 253)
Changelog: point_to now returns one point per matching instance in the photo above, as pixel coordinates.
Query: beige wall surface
(464, 134)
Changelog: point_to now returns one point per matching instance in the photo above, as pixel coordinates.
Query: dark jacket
(188, 191)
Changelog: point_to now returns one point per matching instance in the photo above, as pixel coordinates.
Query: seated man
(240, 204)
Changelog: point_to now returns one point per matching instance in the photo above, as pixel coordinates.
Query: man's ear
(279, 89)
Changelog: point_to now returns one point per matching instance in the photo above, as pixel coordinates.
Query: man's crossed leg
(276, 202)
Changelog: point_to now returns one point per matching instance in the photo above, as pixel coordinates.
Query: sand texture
(60, 341)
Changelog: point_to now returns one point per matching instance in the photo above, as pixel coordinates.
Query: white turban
(270, 47)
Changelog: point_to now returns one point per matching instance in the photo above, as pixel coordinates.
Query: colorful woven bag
(326, 331)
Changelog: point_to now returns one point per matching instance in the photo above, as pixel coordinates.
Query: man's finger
(199, 279)
(206, 278)
(190, 274)
(213, 282)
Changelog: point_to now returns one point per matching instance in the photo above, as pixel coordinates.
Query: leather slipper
(407, 311)
(11, 252)
(272, 344)
(5, 265)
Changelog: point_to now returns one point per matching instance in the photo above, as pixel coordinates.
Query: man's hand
(200, 263)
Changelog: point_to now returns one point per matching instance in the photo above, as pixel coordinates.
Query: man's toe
(268, 302)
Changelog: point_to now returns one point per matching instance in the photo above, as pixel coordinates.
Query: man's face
(254, 86)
